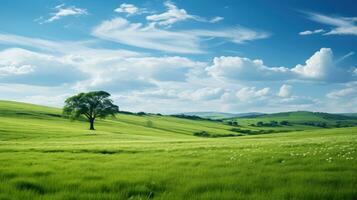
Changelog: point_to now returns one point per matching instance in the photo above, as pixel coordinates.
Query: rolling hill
(221, 115)
(299, 120)
(45, 156)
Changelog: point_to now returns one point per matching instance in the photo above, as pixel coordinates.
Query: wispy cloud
(63, 11)
(340, 25)
(61, 47)
(174, 14)
(345, 56)
(150, 37)
(308, 32)
(216, 19)
(131, 9)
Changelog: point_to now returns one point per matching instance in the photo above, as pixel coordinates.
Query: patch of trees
(318, 124)
(210, 135)
(194, 117)
(329, 116)
(253, 132)
(232, 123)
(340, 124)
(271, 124)
(285, 123)
(139, 113)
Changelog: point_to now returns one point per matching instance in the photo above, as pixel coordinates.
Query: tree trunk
(91, 121)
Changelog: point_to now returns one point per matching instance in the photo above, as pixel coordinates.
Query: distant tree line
(271, 124)
(194, 117)
(210, 135)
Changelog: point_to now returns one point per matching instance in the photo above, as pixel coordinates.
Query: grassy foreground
(43, 156)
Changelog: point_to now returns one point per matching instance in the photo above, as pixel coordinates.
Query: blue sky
(178, 56)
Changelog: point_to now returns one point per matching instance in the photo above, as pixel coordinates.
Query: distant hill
(306, 115)
(221, 115)
(349, 114)
(300, 118)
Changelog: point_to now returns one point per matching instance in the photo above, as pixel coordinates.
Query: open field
(44, 156)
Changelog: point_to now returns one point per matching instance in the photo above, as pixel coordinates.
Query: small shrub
(149, 123)
(206, 134)
(141, 113)
(202, 134)
(284, 123)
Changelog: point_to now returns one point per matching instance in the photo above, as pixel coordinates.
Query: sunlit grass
(46, 157)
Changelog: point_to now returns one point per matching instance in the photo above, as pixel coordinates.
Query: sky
(179, 56)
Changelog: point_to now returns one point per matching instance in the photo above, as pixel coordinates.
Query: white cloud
(140, 82)
(285, 91)
(343, 99)
(173, 14)
(251, 93)
(77, 48)
(206, 93)
(127, 8)
(350, 91)
(64, 11)
(16, 70)
(244, 69)
(349, 54)
(341, 25)
(136, 34)
(27, 67)
(319, 67)
(216, 19)
(42, 95)
(236, 35)
(295, 103)
(135, 73)
(308, 32)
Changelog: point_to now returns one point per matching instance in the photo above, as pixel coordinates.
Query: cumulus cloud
(64, 11)
(150, 37)
(127, 8)
(174, 14)
(141, 82)
(319, 67)
(341, 25)
(245, 69)
(285, 91)
(206, 93)
(251, 93)
(27, 67)
(135, 73)
(308, 32)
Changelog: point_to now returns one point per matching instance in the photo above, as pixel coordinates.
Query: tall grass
(52, 158)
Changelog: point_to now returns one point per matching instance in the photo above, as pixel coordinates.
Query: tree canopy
(92, 105)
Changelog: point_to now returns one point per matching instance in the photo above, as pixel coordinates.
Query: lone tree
(92, 105)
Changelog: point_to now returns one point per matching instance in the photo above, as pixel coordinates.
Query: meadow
(45, 156)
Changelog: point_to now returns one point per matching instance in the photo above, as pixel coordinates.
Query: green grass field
(44, 156)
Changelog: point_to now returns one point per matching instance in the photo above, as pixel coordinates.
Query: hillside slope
(221, 115)
(30, 119)
(44, 156)
(299, 120)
